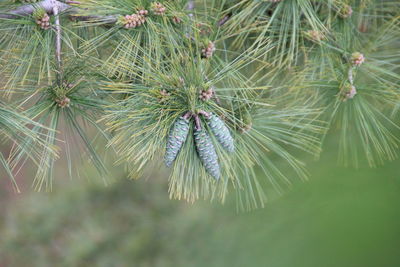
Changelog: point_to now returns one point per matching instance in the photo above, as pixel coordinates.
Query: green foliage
(275, 75)
(15, 129)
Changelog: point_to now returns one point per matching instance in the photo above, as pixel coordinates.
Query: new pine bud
(346, 11)
(357, 59)
(176, 20)
(42, 19)
(348, 92)
(315, 36)
(206, 95)
(143, 12)
(208, 51)
(158, 8)
(134, 20)
(63, 102)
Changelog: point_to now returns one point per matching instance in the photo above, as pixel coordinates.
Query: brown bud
(357, 59)
(158, 8)
(176, 20)
(63, 102)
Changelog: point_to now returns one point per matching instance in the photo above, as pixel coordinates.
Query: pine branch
(58, 42)
(26, 10)
(350, 76)
(190, 5)
(104, 20)
(50, 5)
(150, 68)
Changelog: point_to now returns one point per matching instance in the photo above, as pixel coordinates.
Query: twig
(205, 114)
(187, 115)
(190, 5)
(58, 39)
(26, 10)
(350, 75)
(111, 19)
(197, 122)
(48, 6)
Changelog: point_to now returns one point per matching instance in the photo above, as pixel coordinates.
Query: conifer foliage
(219, 89)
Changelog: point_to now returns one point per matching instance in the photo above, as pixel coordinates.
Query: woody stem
(187, 115)
(58, 40)
(26, 10)
(197, 122)
(205, 114)
(48, 6)
(350, 75)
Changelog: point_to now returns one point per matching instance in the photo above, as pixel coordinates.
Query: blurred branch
(26, 10)
(50, 5)
(111, 19)
(350, 75)
(190, 7)
(58, 41)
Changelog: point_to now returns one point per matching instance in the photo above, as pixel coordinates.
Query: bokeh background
(340, 217)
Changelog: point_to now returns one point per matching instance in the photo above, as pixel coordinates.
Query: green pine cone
(206, 152)
(221, 132)
(177, 136)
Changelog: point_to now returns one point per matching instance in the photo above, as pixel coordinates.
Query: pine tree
(253, 79)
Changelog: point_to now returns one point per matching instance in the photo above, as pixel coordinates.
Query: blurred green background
(340, 217)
